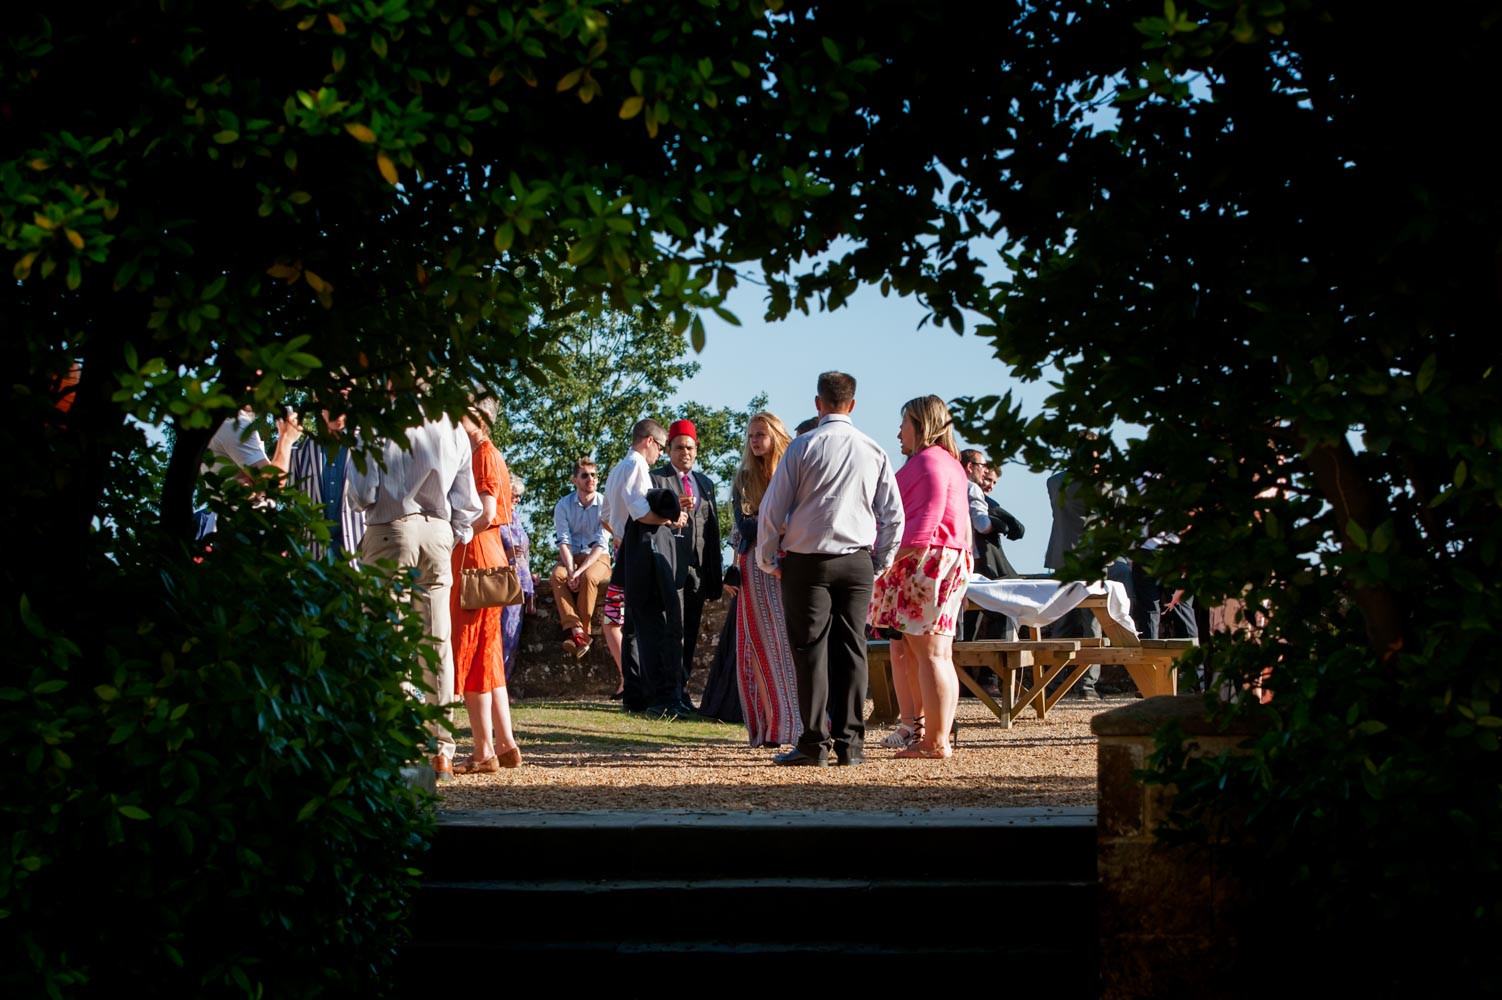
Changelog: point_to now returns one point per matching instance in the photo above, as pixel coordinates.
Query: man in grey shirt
(419, 497)
(833, 512)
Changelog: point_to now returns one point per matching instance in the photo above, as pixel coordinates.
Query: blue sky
(878, 341)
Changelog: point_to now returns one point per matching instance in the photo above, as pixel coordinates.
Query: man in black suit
(1070, 516)
(700, 564)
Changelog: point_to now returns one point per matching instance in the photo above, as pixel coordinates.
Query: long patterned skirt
(764, 658)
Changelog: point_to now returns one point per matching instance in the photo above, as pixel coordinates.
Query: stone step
(830, 913)
(632, 902)
(1042, 844)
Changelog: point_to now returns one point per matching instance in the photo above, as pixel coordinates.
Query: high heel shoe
(490, 765)
(511, 758)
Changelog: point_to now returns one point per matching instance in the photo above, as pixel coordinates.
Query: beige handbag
(491, 587)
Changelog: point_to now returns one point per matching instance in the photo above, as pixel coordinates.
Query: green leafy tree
(603, 374)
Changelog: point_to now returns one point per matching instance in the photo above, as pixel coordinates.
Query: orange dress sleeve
(503, 511)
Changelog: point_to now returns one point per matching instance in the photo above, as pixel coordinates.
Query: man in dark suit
(1066, 501)
(700, 566)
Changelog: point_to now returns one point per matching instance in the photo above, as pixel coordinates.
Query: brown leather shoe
(443, 768)
(511, 758)
(472, 766)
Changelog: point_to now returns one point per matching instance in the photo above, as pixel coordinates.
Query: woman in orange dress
(479, 670)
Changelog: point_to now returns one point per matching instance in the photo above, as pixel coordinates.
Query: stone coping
(1145, 717)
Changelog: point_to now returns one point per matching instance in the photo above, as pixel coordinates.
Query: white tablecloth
(1041, 602)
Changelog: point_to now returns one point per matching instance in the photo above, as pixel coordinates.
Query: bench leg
(963, 672)
(883, 700)
(1153, 679)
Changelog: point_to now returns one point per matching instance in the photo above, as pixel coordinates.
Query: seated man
(583, 571)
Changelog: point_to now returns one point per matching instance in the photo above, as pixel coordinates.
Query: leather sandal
(489, 765)
(922, 753)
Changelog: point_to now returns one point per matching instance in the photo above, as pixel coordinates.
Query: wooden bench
(1151, 663)
(1048, 658)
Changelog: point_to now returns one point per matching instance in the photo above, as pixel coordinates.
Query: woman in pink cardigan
(922, 595)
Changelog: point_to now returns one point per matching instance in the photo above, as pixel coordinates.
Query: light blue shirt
(833, 493)
(579, 525)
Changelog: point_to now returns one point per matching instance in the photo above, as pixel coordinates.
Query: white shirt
(234, 443)
(833, 493)
(626, 493)
(433, 475)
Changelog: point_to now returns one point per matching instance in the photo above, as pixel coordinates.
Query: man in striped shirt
(318, 470)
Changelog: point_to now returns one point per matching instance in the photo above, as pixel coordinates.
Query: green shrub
(203, 789)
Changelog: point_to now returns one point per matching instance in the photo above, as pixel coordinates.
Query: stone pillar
(1169, 917)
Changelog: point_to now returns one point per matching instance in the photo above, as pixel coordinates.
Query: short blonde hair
(932, 424)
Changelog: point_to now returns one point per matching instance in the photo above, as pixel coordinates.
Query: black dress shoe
(670, 713)
(852, 758)
(797, 758)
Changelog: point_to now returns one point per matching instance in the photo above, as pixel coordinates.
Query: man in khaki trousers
(583, 572)
(418, 497)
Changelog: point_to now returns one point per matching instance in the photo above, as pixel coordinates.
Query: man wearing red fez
(700, 571)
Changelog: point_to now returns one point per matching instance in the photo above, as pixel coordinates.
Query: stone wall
(543, 670)
(1171, 919)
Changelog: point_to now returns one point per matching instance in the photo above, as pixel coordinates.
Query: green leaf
(226, 136)
(49, 687)
(1357, 534)
(134, 812)
(1426, 373)
(1371, 727)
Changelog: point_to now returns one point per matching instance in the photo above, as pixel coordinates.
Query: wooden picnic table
(1151, 663)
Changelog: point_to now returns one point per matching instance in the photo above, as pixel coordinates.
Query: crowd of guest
(831, 546)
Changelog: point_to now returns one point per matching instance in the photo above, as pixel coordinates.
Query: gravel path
(1032, 764)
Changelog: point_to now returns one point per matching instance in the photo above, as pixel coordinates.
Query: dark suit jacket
(1068, 519)
(993, 563)
(699, 548)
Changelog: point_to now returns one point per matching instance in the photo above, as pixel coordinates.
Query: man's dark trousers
(825, 599)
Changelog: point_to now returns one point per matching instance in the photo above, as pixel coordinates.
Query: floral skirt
(924, 591)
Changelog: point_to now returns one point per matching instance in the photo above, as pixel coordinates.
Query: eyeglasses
(587, 475)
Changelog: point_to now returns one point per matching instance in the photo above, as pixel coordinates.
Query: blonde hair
(932, 424)
(755, 473)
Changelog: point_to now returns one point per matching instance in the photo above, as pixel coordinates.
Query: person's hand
(727, 592)
(777, 572)
(682, 521)
(289, 428)
(573, 580)
(529, 604)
